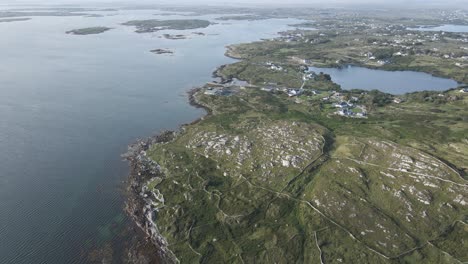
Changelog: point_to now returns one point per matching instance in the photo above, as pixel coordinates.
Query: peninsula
(288, 167)
(276, 174)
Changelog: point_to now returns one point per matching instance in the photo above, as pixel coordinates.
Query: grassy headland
(267, 178)
(278, 174)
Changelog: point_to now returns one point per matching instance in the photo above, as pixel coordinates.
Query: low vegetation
(267, 179)
(153, 25)
(281, 174)
(88, 31)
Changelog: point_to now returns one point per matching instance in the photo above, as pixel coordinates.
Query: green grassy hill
(264, 179)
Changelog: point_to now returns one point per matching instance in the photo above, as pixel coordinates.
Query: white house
(342, 105)
(295, 92)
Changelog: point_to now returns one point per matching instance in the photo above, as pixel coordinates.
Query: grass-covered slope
(268, 178)
(265, 179)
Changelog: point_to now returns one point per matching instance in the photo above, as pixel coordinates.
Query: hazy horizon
(338, 3)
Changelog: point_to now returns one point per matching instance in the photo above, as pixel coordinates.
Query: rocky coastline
(217, 74)
(139, 205)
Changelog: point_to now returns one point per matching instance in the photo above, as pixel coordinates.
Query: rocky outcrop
(139, 205)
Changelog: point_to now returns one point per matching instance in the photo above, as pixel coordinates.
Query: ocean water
(70, 105)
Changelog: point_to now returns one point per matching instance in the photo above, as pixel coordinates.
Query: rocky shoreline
(139, 206)
(217, 74)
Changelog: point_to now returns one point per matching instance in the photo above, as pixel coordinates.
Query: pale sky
(402, 3)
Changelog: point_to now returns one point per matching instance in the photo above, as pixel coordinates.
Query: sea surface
(393, 82)
(70, 105)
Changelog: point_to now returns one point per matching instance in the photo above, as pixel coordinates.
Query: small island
(154, 25)
(162, 51)
(14, 19)
(41, 13)
(88, 31)
(94, 15)
(174, 37)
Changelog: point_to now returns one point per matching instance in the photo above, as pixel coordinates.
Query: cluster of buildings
(346, 109)
(292, 36)
(291, 92)
(421, 43)
(273, 66)
(219, 89)
(294, 92)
